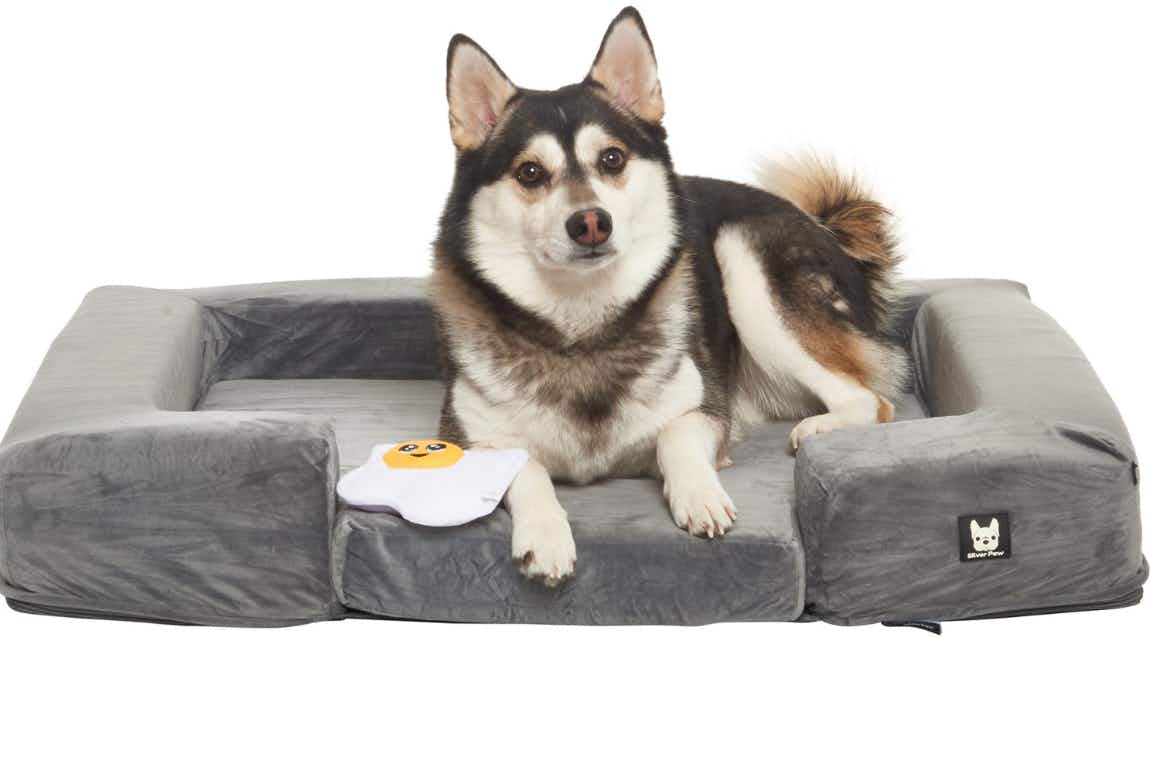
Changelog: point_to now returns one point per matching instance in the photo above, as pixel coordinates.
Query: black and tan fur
(737, 304)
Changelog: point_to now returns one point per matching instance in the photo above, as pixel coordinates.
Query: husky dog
(616, 319)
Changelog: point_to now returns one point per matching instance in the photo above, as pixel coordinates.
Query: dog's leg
(687, 451)
(829, 361)
(541, 540)
(848, 402)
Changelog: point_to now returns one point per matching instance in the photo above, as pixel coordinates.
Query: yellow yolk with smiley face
(428, 454)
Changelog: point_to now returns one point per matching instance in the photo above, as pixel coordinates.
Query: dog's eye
(436, 447)
(409, 447)
(612, 160)
(530, 174)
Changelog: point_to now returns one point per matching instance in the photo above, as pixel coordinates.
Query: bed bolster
(1022, 426)
(985, 345)
(126, 350)
(881, 512)
(371, 328)
(116, 499)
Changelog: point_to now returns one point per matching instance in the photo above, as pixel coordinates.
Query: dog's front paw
(700, 505)
(544, 548)
(820, 423)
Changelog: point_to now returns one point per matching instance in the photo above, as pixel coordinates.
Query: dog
(616, 319)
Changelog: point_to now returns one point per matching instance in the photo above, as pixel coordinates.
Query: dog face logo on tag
(984, 537)
(427, 454)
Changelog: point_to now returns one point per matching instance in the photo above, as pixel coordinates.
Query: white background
(176, 145)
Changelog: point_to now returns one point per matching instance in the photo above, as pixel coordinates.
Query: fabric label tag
(982, 537)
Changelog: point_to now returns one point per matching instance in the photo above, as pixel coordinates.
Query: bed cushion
(361, 413)
(635, 566)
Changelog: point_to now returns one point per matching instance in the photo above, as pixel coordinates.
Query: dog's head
(562, 185)
(984, 539)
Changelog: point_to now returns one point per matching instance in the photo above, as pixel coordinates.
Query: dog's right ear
(974, 528)
(477, 92)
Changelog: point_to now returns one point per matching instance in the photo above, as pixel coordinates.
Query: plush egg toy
(432, 482)
(420, 455)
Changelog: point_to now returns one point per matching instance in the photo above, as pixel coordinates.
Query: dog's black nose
(589, 227)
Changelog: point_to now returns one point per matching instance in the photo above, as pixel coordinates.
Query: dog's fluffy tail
(840, 203)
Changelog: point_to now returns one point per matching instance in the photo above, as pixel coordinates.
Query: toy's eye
(436, 446)
(530, 174)
(612, 160)
(409, 448)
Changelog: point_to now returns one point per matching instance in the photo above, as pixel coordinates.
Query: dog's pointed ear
(625, 67)
(974, 527)
(477, 92)
(994, 525)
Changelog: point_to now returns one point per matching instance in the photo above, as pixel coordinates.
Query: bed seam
(4, 532)
(816, 566)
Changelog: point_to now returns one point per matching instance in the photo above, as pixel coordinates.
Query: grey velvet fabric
(1022, 425)
(176, 457)
(636, 567)
(880, 513)
(362, 413)
(984, 345)
(379, 328)
(188, 517)
(126, 351)
(116, 498)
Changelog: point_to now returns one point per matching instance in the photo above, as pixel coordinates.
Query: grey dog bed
(176, 458)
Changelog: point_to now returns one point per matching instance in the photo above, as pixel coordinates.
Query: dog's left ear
(625, 67)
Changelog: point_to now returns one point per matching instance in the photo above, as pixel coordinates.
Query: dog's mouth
(419, 455)
(593, 254)
(581, 258)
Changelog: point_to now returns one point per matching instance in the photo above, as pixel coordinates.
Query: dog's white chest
(496, 411)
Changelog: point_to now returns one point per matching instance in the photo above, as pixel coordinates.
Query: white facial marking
(589, 143)
(522, 245)
(547, 150)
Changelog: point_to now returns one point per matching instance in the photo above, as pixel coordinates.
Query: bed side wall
(1023, 434)
(362, 329)
(116, 499)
